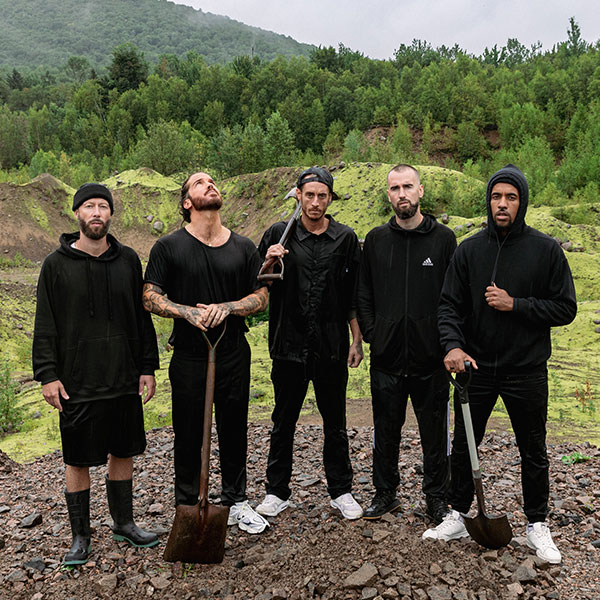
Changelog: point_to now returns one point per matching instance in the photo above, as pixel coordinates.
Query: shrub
(10, 413)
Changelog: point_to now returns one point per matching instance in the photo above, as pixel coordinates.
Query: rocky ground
(309, 551)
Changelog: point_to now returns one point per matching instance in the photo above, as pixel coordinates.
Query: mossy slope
(251, 203)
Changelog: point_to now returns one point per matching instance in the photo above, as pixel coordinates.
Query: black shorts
(90, 431)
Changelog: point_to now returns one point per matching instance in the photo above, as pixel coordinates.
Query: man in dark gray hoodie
(505, 288)
(95, 353)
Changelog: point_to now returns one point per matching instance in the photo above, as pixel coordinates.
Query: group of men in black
(424, 306)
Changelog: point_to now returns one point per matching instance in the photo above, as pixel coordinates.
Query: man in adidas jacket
(401, 275)
(504, 290)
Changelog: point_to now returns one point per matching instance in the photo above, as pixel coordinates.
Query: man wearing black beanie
(505, 288)
(92, 190)
(95, 353)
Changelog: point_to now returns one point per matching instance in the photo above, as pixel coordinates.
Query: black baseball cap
(317, 174)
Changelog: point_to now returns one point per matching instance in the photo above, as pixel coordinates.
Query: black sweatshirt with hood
(526, 263)
(400, 279)
(91, 330)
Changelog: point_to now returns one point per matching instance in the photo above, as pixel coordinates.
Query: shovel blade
(198, 534)
(489, 532)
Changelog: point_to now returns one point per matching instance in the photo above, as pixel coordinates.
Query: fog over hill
(93, 29)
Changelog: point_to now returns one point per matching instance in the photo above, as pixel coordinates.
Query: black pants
(526, 401)
(429, 396)
(290, 382)
(187, 373)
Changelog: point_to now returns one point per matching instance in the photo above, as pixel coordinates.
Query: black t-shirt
(191, 273)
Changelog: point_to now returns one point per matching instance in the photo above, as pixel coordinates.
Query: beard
(406, 213)
(93, 233)
(213, 202)
(503, 226)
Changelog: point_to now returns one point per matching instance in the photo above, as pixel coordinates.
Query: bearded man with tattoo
(201, 276)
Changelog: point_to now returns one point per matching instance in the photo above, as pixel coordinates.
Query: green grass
(574, 383)
(143, 177)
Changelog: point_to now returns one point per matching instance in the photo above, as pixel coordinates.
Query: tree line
(426, 105)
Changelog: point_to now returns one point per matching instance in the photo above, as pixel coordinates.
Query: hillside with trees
(438, 106)
(92, 29)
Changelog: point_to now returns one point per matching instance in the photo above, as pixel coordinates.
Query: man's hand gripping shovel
(198, 532)
(490, 532)
(265, 273)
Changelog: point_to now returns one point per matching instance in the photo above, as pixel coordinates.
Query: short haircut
(403, 167)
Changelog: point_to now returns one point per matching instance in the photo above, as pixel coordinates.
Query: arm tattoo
(249, 305)
(156, 301)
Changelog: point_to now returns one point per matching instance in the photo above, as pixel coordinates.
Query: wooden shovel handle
(208, 410)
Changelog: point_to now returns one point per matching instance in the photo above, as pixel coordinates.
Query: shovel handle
(462, 389)
(262, 276)
(270, 276)
(463, 395)
(208, 410)
(466, 411)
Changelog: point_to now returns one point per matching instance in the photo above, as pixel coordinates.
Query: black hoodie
(91, 330)
(400, 279)
(526, 263)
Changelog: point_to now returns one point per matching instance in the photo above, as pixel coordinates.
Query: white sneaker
(242, 515)
(451, 528)
(271, 506)
(539, 539)
(348, 506)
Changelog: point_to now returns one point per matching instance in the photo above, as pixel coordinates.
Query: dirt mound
(32, 214)
(309, 551)
(35, 215)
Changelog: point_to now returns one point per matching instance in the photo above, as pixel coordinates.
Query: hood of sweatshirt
(67, 239)
(113, 252)
(514, 176)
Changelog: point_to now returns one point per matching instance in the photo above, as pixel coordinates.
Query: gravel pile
(309, 551)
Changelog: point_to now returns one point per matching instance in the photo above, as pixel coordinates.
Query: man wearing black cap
(95, 353)
(505, 288)
(310, 310)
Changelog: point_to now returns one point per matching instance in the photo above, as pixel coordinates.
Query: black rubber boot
(121, 510)
(78, 504)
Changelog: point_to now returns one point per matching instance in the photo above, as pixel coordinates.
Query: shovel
(490, 532)
(262, 276)
(198, 532)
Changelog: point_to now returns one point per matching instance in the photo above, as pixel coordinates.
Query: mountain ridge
(94, 29)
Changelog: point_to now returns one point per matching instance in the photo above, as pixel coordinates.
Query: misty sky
(378, 27)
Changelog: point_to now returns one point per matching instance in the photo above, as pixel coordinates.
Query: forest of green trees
(49, 32)
(426, 105)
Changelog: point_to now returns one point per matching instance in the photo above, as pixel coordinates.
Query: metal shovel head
(489, 532)
(198, 534)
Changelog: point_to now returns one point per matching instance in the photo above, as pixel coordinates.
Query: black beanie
(92, 190)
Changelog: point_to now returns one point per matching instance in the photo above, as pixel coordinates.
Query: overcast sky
(378, 27)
